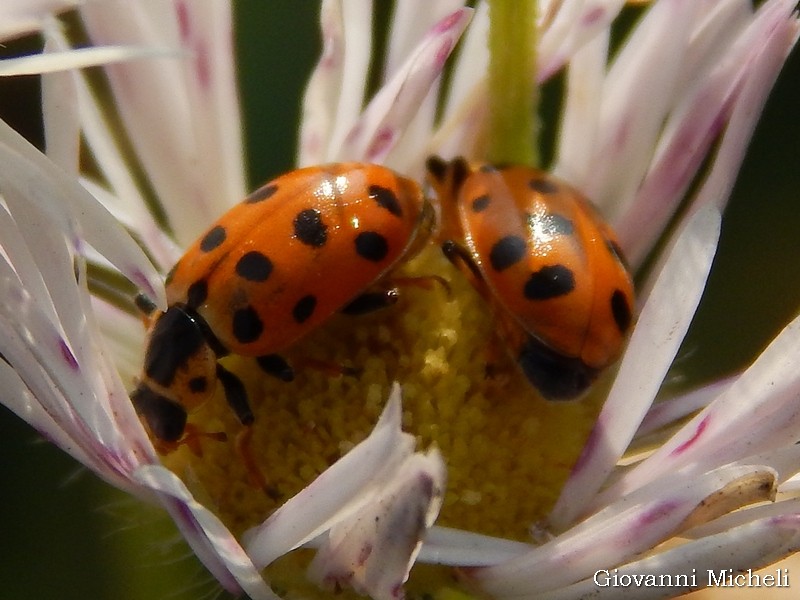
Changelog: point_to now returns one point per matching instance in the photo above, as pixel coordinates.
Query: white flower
(634, 133)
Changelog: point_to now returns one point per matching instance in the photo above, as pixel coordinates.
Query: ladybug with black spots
(550, 267)
(311, 243)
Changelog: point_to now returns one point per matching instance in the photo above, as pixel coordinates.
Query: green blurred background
(65, 535)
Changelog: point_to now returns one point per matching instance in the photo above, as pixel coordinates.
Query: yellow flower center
(507, 451)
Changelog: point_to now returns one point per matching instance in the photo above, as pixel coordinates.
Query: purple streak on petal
(68, 356)
(593, 16)
(380, 144)
(183, 20)
(701, 427)
(201, 65)
(592, 443)
(658, 512)
(366, 550)
(447, 23)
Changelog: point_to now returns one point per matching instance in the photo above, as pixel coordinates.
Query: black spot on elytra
(247, 325)
(550, 224)
(543, 185)
(506, 252)
(261, 193)
(480, 203)
(549, 282)
(198, 385)
(213, 239)
(371, 246)
(254, 266)
(386, 198)
(197, 293)
(304, 308)
(621, 310)
(310, 229)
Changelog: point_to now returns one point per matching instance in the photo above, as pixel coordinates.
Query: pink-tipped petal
(382, 123)
(373, 550)
(662, 324)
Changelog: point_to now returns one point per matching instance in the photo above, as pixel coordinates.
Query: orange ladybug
(304, 246)
(539, 253)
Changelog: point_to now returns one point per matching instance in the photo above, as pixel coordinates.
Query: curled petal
(373, 550)
(339, 492)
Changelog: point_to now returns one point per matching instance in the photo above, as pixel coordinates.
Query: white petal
(338, 492)
(575, 23)
(60, 116)
(750, 546)
(383, 121)
(355, 29)
(53, 62)
(373, 550)
(323, 87)
(191, 154)
(732, 91)
(757, 413)
(638, 91)
(214, 545)
(656, 338)
(671, 410)
(25, 168)
(445, 546)
(618, 533)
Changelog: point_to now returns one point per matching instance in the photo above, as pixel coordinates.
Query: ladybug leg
(507, 333)
(463, 261)
(276, 365)
(381, 298)
(236, 395)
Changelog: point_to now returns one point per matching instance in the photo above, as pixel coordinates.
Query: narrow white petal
(757, 413)
(574, 23)
(213, 543)
(26, 168)
(60, 116)
(637, 95)
(355, 29)
(729, 95)
(750, 546)
(445, 546)
(673, 409)
(338, 492)
(656, 338)
(373, 550)
(579, 125)
(411, 19)
(621, 531)
(383, 121)
(80, 58)
(169, 106)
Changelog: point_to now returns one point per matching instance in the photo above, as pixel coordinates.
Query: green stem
(513, 94)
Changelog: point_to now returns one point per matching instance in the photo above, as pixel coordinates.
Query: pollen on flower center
(507, 451)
